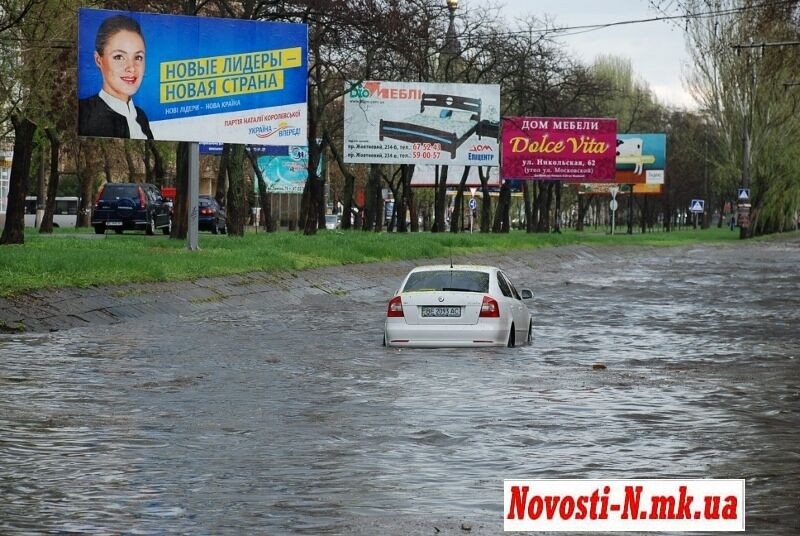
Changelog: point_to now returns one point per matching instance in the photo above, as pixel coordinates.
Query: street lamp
(452, 48)
(452, 5)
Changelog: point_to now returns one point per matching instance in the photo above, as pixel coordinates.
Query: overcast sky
(657, 50)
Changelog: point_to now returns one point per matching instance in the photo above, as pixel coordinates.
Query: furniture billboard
(559, 148)
(181, 78)
(421, 123)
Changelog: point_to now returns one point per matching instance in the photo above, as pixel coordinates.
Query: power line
(688, 16)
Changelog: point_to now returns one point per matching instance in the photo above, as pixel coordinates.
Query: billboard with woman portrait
(180, 78)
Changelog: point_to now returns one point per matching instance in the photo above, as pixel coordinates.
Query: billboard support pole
(194, 192)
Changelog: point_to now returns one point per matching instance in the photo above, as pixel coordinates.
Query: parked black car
(212, 215)
(128, 206)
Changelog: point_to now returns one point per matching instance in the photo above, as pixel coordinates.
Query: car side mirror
(526, 294)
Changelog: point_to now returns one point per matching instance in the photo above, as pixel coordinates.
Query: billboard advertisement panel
(641, 158)
(180, 78)
(421, 123)
(559, 148)
(285, 169)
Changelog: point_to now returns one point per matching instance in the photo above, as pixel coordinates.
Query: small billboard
(285, 169)
(641, 158)
(421, 123)
(179, 78)
(559, 148)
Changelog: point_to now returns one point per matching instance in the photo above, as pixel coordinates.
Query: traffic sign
(613, 204)
(473, 203)
(697, 205)
(744, 194)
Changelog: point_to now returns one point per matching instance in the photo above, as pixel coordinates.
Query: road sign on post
(743, 195)
(613, 205)
(697, 206)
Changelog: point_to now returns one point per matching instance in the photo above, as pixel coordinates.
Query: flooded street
(280, 412)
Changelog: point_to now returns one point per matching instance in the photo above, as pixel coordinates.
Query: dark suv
(128, 205)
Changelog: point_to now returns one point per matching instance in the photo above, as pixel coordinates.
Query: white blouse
(128, 111)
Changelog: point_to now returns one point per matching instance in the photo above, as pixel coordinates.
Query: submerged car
(461, 305)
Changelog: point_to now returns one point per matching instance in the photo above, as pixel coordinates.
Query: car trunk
(415, 304)
(122, 209)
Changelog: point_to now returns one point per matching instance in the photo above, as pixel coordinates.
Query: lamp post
(452, 48)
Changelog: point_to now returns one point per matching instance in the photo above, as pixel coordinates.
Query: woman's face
(122, 64)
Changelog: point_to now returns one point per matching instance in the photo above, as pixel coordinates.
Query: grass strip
(77, 258)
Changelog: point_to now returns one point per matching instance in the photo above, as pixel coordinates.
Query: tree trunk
(158, 172)
(103, 144)
(236, 207)
(502, 222)
(222, 175)
(526, 197)
(583, 202)
(52, 184)
(408, 194)
(129, 160)
(486, 200)
(180, 220)
(264, 199)
(456, 220)
(349, 183)
(440, 210)
(372, 210)
(557, 216)
(86, 155)
(14, 228)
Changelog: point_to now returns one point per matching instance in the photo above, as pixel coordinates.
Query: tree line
(744, 134)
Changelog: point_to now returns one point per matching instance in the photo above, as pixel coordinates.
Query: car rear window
(116, 191)
(457, 280)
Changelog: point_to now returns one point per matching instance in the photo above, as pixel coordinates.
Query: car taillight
(489, 308)
(207, 211)
(395, 307)
(141, 197)
(99, 196)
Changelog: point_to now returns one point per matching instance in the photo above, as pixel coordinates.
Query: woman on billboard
(119, 54)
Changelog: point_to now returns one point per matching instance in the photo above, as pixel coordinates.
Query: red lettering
(517, 502)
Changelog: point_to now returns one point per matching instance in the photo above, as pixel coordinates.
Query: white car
(458, 306)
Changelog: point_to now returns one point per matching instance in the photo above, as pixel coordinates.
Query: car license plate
(113, 223)
(438, 312)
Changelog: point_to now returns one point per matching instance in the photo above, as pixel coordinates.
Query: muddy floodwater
(278, 412)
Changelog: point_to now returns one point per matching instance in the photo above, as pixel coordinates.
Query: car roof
(468, 267)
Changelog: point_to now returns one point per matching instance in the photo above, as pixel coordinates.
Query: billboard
(180, 78)
(285, 169)
(641, 158)
(421, 123)
(559, 148)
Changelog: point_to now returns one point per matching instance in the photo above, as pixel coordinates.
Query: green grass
(78, 259)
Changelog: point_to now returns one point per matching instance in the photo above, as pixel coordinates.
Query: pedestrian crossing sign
(744, 194)
(697, 205)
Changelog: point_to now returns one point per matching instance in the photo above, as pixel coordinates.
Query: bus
(65, 214)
